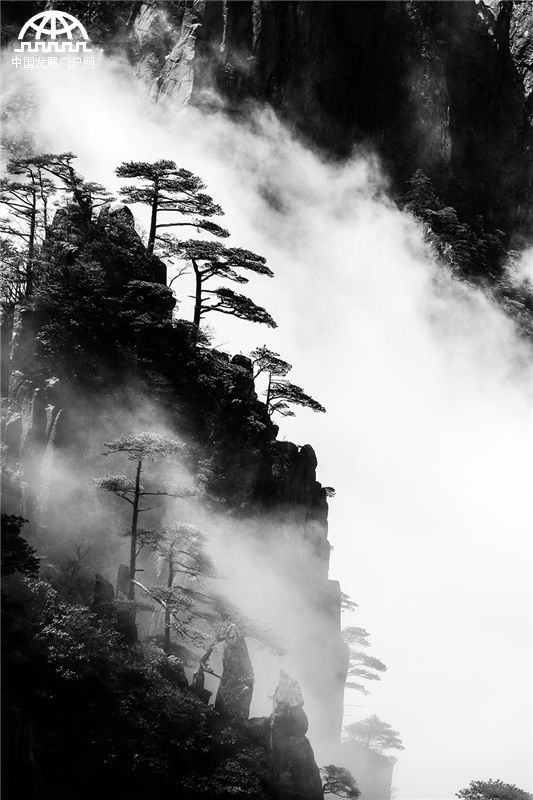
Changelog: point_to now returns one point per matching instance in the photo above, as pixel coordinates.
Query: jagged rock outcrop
(115, 216)
(293, 763)
(234, 694)
(245, 386)
(291, 492)
(164, 44)
(28, 432)
(293, 500)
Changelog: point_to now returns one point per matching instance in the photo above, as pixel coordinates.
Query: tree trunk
(84, 201)
(170, 581)
(198, 294)
(268, 390)
(135, 517)
(31, 245)
(153, 221)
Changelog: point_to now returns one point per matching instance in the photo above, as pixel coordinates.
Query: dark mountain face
(432, 86)
(443, 87)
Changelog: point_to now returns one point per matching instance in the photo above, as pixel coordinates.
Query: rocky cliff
(66, 396)
(444, 87)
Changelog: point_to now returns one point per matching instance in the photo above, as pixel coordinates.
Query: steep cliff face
(444, 87)
(521, 46)
(59, 408)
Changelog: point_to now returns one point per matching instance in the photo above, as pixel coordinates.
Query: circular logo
(51, 24)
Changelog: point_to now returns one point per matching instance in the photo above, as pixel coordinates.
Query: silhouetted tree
(374, 734)
(32, 169)
(282, 394)
(86, 194)
(214, 260)
(339, 781)
(226, 301)
(493, 790)
(166, 188)
(361, 665)
(21, 200)
(265, 360)
(26, 200)
(13, 272)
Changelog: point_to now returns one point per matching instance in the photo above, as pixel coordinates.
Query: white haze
(427, 435)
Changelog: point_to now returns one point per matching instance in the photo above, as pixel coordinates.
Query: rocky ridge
(54, 402)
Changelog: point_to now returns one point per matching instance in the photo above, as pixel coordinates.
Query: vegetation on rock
(98, 332)
(492, 790)
(360, 664)
(374, 734)
(340, 782)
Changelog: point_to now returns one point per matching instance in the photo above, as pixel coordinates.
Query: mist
(428, 392)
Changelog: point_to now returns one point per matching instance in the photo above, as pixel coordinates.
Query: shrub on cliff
(493, 790)
(374, 734)
(340, 782)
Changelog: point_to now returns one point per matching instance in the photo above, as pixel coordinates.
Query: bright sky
(427, 438)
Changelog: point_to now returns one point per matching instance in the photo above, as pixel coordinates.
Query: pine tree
(88, 195)
(361, 665)
(374, 734)
(214, 260)
(280, 393)
(167, 189)
(138, 448)
(26, 200)
(182, 548)
(339, 781)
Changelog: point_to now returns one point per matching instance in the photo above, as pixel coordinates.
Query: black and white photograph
(266, 295)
